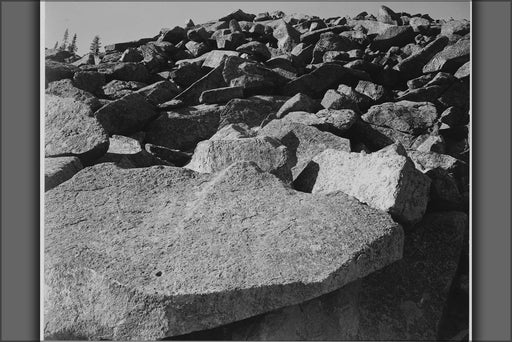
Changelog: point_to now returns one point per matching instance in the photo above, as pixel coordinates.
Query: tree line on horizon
(73, 47)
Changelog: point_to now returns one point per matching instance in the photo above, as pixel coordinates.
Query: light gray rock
(426, 161)
(70, 130)
(451, 57)
(233, 132)
(298, 102)
(386, 180)
(159, 92)
(304, 142)
(58, 170)
(221, 95)
(269, 154)
(214, 58)
(405, 301)
(148, 253)
(65, 88)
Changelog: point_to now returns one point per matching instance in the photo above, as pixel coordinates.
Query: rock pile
(265, 176)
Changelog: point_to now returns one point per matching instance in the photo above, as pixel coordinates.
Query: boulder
(130, 72)
(237, 244)
(393, 36)
(303, 142)
(127, 115)
(464, 70)
(238, 15)
(451, 57)
(459, 27)
(159, 92)
(332, 42)
(334, 100)
(298, 102)
(186, 74)
(251, 111)
(65, 89)
(413, 65)
(405, 301)
(385, 180)
(256, 49)
(55, 71)
(374, 91)
(91, 81)
(174, 35)
(426, 161)
(181, 129)
(58, 170)
(221, 95)
(120, 47)
(287, 37)
(70, 130)
(117, 89)
(269, 154)
(215, 58)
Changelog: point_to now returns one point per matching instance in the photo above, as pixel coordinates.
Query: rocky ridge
(269, 176)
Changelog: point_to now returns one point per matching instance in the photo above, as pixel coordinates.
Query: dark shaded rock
(172, 104)
(65, 89)
(120, 47)
(404, 116)
(70, 130)
(116, 89)
(393, 36)
(159, 92)
(327, 76)
(334, 100)
(186, 74)
(175, 157)
(298, 102)
(174, 35)
(332, 42)
(407, 298)
(130, 72)
(303, 142)
(181, 129)
(57, 55)
(87, 59)
(55, 71)
(207, 273)
(420, 81)
(363, 102)
(251, 111)
(230, 41)
(444, 193)
(311, 38)
(454, 116)
(302, 54)
(424, 94)
(197, 49)
(256, 49)
(58, 170)
(215, 58)
(213, 79)
(131, 55)
(385, 180)
(126, 115)
(287, 37)
(90, 81)
(450, 58)
(238, 15)
(457, 95)
(221, 95)
(413, 65)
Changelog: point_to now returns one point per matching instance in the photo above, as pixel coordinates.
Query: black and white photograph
(256, 171)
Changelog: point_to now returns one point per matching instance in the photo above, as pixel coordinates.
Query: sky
(125, 21)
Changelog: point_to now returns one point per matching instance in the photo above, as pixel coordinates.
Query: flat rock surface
(203, 250)
(58, 170)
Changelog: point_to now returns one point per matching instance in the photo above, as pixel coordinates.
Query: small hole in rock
(159, 273)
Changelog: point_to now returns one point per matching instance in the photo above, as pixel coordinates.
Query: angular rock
(236, 244)
(233, 132)
(70, 130)
(407, 298)
(459, 27)
(334, 100)
(131, 55)
(238, 15)
(287, 37)
(174, 157)
(186, 74)
(221, 95)
(174, 35)
(457, 95)
(363, 102)
(87, 59)
(332, 42)
(338, 120)
(404, 116)
(256, 49)
(385, 180)
(120, 47)
(371, 26)
(197, 49)
(444, 192)
(117, 89)
(90, 81)
(159, 92)
(181, 129)
(393, 36)
(374, 91)
(298, 102)
(251, 111)
(65, 88)
(450, 58)
(130, 72)
(127, 115)
(413, 65)
(230, 41)
(304, 142)
(420, 25)
(464, 70)
(269, 154)
(58, 170)
(387, 15)
(214, 58)
(424, 94)
(55, 71)
(426, 161)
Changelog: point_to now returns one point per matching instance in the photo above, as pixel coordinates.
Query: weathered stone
(130, 72)
(230, 41)
(131, 55)
(174, 157)
(454, 117)
(221, 95)
(214, 58)
(464, 70)
(393, 36)
(426, 161)
(58, 170)
(333, 56)
(159, 92)
(457, 95)
(269, 154)
(405, 300)
(70, 130)
(386, 180)
(404, 116)
(287, 37)
(285, 251)
(429, 143)
(459, 27)
(413, 65)
(197, 49)
(374, 91)
(233, 132)
(387, 15)
(238, 15)
(334, 100)
(90, 81)
(420, 25)
(65, 88)
(334, 316)
(420, 81)
(55, 71)
(303, 142)
(339, 120)
(362, 101)
(371, 26)
(172, 104)
(183, 128)
(256, 49)
(251, 111)
(312, 37)
(174, 35)
(117, 89)
(424, 94)
(87, 59)
(332, 42)
(298, 102)
(444, 192)
(327, 76)
(127, 115)
(186, 74)
(450, 58)
(120, 47)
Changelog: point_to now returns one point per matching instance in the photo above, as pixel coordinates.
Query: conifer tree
(56, 45)
(72, 47)
(95, 45)
(64, 40)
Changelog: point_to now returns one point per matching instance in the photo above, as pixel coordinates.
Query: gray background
(20, 170)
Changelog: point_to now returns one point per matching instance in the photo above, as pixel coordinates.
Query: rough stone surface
(451, 57)
(237, 244)
(159, 92)
(116, 89)
(405, 301)
(268, 153)
(251, 111)
(66, 89)
(127, 115)
(70, 130)
(298, 102)
(386, 180)
(221, 95)
(58, 170)
(91, 81)
(303, 142)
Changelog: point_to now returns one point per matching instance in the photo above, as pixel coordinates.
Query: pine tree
(56, 45)
(64, 40)
(95, 45)
(72, 47)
